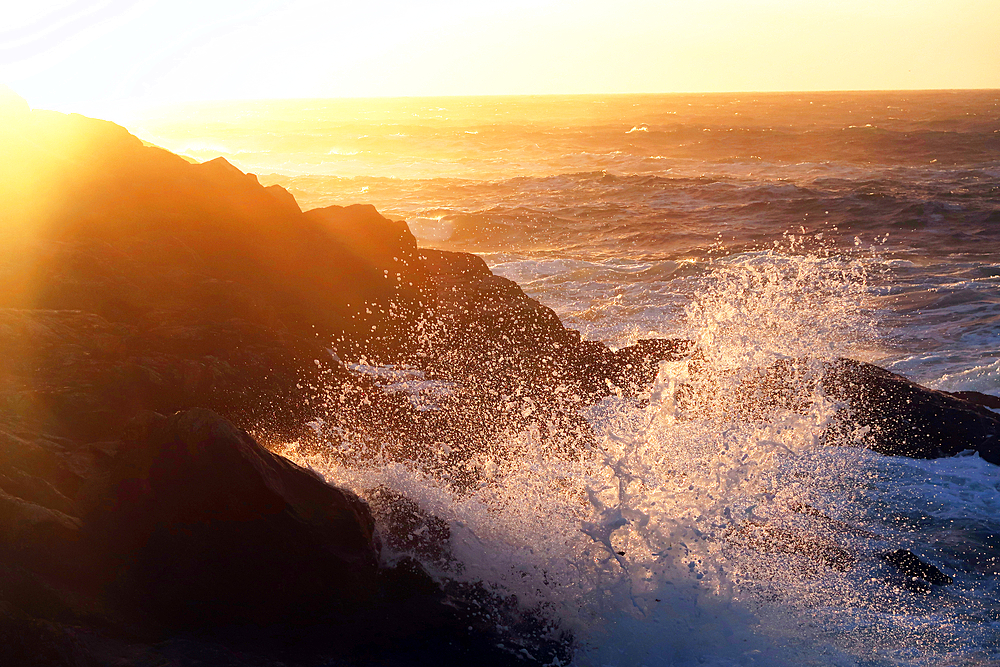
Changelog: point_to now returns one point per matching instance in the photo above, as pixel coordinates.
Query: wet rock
(634, 367)
(877, 408)
(198, 546)
(918, 575)
(979, 398)
(206, 527)
(906, 419)
(407, 529)
(777, 539)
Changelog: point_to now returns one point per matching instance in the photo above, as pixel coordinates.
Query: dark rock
(387, 244)
(78, 375)
(909, 420)
(776, 539)
(898, 417)
(916, 570)
(635, 367)
(979, 398)
(200, 547)
(407, 529)
(482, 325)
(878, 408)
(209, 528)
(34, 531)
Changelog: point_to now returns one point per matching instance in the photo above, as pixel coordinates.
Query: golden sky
(108, 56)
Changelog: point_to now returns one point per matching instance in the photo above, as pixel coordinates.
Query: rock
(483, 326)
(634, 368)
(282, 195)
(186, 285)
(78, 375)
(365, 232)
(765, 538)
(208, 528)
(919, 576)
(979, 398)
(896, 416)
(407, 529)
(907, 419)
(197, 546)
(433, 623)
(135, 228)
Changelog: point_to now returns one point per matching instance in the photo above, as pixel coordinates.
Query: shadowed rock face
(187, 521)
(211, 528)
(197, 544)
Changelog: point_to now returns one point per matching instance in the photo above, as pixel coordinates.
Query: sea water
(764, 227)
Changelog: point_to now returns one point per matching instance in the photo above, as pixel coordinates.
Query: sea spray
(648, 526)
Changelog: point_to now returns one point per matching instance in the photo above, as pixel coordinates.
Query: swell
(926, 212)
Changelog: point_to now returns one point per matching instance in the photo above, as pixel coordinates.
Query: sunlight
(111, 57)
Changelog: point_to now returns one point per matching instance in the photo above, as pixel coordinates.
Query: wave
(702, 528)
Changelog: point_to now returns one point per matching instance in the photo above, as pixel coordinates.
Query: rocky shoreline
(155, 313)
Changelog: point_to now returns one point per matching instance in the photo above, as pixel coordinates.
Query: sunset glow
(511, 333)
(108, 57)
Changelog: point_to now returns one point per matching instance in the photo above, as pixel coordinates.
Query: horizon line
(595, 94)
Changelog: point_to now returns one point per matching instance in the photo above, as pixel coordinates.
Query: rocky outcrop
(187, 525)
(135, 281)
(875, 407)
(163, 285)
(906, 419)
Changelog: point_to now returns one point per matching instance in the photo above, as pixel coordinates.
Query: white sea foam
(984, 377)
(424, 394)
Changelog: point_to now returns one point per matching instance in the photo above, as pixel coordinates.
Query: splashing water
(706, 522)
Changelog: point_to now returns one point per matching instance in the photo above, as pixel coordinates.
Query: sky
(108, 57)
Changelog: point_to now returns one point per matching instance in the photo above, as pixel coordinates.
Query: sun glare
(113, 56)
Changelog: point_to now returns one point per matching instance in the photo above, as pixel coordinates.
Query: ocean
(763, 227)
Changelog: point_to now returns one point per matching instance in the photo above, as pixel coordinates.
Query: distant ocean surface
(763, 226)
